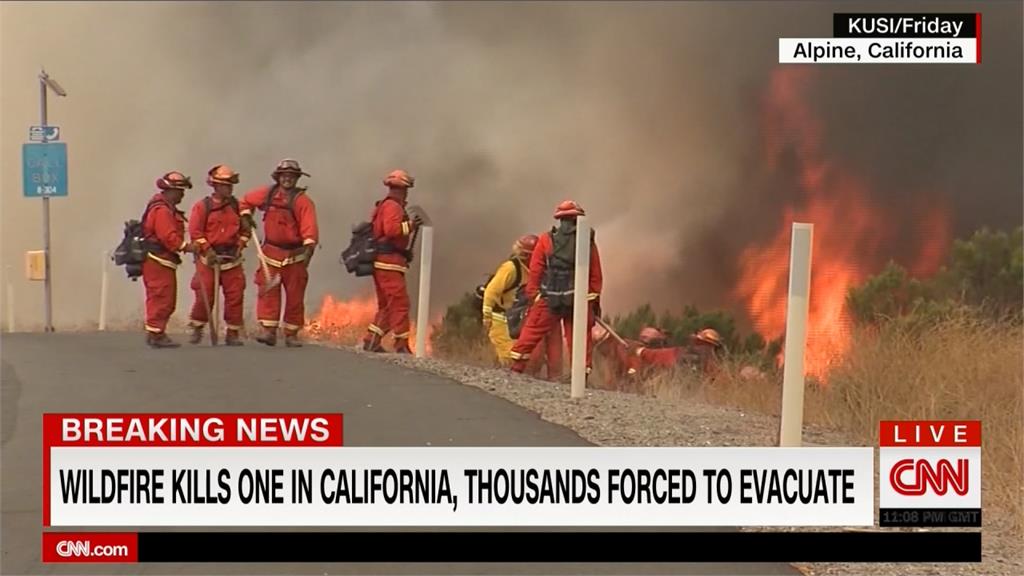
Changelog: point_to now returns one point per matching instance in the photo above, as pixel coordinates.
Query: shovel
(271, 281)
(215, 309)
(206, 299)
(610, 331)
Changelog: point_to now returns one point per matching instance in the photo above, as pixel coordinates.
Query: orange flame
(345, 321)
(849, 236)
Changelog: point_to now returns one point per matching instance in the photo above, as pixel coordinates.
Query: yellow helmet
(710, 336)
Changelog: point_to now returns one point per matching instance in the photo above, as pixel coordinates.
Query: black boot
(232, 339)
(160, 340)
(372, 343)
(197, 335)
(291, 339)
(402, 346)
(268, 337)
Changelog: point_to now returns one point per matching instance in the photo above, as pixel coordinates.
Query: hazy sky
(645, 113)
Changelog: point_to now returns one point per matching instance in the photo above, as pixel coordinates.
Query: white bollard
(9, 293)
(423, 308)
(103, 290)
(580, 308)
(791, 427)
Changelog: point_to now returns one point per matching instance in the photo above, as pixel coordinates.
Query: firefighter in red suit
(701, 353)
(550, 286)
(163, 230)
(622, 361)
(216, 228)
(290, 237)
(393, 230)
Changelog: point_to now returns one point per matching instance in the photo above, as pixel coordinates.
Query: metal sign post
(45, 83)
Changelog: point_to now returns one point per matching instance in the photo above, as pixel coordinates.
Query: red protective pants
(547, 352)
(294, 278)
(392, 304)
(161, 285)
(540, 322)
(232, 282)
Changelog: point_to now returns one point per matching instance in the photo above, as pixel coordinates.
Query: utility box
(35, 265)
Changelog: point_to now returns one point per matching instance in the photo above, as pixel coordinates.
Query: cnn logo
(69, 548)
(913, 477)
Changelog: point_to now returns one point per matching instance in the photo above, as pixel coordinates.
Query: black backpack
(556, 286)
(516, 314)
(361, 253)
(133, 249)
(363, 248)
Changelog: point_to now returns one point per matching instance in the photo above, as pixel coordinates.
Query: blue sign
(43, 133)
(45, 169)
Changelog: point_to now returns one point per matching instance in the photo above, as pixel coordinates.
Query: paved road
(384, 405)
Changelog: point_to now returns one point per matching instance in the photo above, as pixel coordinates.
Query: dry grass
(958, 369)
(472, 352)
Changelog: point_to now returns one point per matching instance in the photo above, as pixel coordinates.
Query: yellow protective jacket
(500, 292)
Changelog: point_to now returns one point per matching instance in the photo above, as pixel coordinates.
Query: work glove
(247, 224)
(596, 307)
(240, 246)
(308, 251)
(487, 322)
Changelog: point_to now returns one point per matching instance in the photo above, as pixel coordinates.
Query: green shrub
(983, 275)
(460, 327)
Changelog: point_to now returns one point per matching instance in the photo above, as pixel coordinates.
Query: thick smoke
(919, 137)
(646, 114)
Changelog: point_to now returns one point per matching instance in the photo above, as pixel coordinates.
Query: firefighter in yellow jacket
(500, 294)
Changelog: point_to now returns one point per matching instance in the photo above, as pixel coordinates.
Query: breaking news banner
(291, 470)
(890, 39)
(930, 473)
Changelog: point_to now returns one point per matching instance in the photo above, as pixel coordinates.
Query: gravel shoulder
(609, 418)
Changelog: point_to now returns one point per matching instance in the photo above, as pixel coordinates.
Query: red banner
(935, 433)
(102, 547)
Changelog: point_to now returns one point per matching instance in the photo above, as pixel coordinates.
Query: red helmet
(221, 174)
(709, 336)
(650, 335)
(173, 180)
(525, 245)
(399, 179)
(569, 209)
(288, 166)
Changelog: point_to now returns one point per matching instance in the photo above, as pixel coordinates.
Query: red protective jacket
(700, 357)
(220, 229)
(539, 262)
(393, 228)
(286, 232)
(164, 229)
(659, 357)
